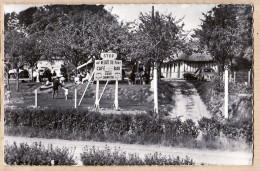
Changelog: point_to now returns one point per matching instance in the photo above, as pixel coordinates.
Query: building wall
(54, 65)
(176, 69)
(50, 65)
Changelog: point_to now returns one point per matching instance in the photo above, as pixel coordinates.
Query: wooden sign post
(108, 69)
(97, 93)
(75, 98)
(36, 101)
(116, 96)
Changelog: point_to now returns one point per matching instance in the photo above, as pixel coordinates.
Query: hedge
(36, 154)
(82, 124)
(95, 157)
(233, 129)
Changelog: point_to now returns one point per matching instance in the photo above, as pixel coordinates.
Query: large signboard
(108, 70)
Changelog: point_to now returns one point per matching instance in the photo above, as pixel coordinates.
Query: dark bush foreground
(85, 125)
(108, 156)
(36, 154)
(125, 128)
(232, 129)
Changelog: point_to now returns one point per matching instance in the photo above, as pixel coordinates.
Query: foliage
(108, 156)
(17, 40)
(36, 154)
(75, 32)
(80, 32)
(158, 36)
(155, 38)
(235, 129)
(239, 129)
(212, 94)
(86, 125)
(158, 159)
(210, 128)
(226, 33)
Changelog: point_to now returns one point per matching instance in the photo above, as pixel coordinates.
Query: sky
(192, 13)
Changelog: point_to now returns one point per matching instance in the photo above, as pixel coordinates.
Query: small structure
(174, 69)
(54, 65)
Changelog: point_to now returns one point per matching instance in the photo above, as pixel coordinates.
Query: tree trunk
(149, 71)
(17, 79)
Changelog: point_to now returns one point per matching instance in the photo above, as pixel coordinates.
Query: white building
(54, 65)
(174, 69)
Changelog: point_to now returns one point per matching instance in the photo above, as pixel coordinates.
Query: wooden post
(97, 99)
(35, 98)
(155, 88)
(86, 87)
(75, 98)
(116, 95)
(103, 90)
(226, 95)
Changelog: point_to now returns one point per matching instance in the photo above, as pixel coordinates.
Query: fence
(244, 77)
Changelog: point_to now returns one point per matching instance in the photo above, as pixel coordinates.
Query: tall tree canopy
(226, 33)
(79, 32)
(73, 32)
(158, 37)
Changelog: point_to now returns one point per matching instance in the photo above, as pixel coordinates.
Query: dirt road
(188, 104)
(200, 156)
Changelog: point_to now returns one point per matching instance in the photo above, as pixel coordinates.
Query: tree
(157, 38)
(226, 33)
(12, 42)
(79, 32)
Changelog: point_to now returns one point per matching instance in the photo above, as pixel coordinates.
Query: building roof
(195, 57)
(52, 58)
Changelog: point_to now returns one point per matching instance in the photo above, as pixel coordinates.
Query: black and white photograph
(128, 84)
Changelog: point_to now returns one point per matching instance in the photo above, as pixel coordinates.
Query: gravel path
(188, 104)
(200, 156)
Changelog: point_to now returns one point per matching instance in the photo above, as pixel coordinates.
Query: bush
(212, 94)
(94, 156)
(36, 154)
(239, 129)
(86, 125)
(234, 129)
(159, 159)
(210, 128)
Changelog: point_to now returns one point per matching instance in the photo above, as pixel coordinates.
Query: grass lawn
(131, 97)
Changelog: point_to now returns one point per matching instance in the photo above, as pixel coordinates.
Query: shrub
(36, 154)
(234, 129)
(159, 159)
(210, 128)
(108, 156)
(86, 125)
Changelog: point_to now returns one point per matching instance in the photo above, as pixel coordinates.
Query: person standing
(55, 87)
(87, 78)
(66, 92)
